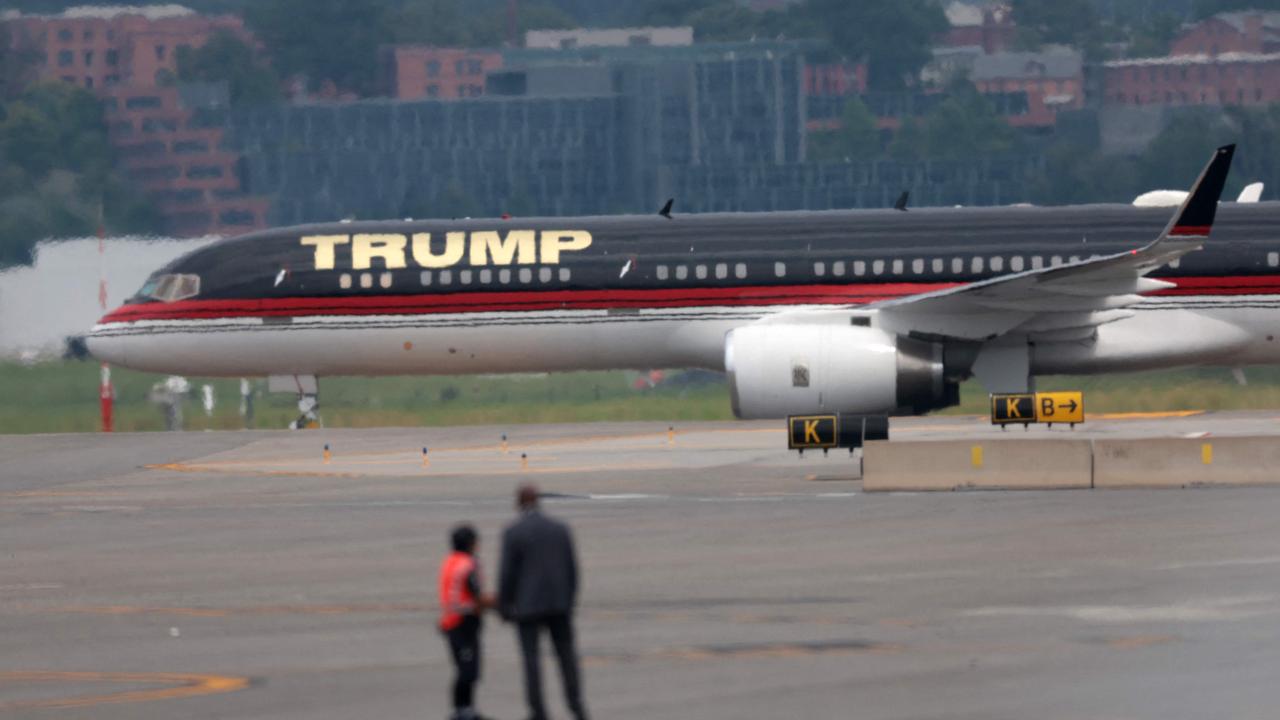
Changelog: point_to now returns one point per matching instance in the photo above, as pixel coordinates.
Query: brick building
(1233, 78)
(128, 57)
(416, 72)
(989, 27)
(102, 47)
(1247, 31)
(1053, 80)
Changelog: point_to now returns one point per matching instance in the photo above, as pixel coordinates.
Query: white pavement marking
(1214, 609)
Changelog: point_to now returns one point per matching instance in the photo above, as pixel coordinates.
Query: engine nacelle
(780, 370)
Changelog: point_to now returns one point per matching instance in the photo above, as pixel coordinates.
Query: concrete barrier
(977, 464)
(1186, 462)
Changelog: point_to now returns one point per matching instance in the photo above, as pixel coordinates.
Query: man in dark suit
(538, 587)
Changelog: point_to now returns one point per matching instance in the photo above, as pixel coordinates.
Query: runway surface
(224, 575)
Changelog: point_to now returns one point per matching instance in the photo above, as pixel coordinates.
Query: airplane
(860, 312)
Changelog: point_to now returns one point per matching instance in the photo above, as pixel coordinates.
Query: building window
(937, 265)
(682, 272)
(897, 267)
(859, 268)
(88, 58)
(877, 267)
(458, 67)
(366, 280)
(201, 172)
(65, 58)
(740, 271)
(486, 276)
(385, 280)
(526, 275)
(473, 67)
(190, 147)
(780, 269)
(142, 102)
(837, 269)
(917, 266)
(160, 52)
(64, 35)
(433, 68)
(957, 266)
(819, 269)
(504, 276)
(722, 271)
(565, 275)
(425, 278)
(662, 272)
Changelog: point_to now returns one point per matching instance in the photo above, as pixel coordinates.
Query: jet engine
(780, 370)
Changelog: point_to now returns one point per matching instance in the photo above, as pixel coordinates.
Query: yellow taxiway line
(180, 685)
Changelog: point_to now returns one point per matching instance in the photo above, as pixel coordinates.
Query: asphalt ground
(239, 575)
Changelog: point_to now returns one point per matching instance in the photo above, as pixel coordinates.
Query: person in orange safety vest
(461, 604)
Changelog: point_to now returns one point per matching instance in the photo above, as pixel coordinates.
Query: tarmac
(239, 575)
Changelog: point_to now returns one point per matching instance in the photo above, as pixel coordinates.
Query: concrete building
(1053, 80)
(415, 72)
(1247, 31)
(608, 37)
(1233, 78)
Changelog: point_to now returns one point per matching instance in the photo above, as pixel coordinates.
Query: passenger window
(700, 271)
(544, 274)
(385, 280)
(897, 267)
(486, 276)
(937, 266)
(997, 264)
(425, 278)
(917, 266)
(565, 275)
(976, 264)
(1176, 263)
(859, 268)
(837, 269)
(526, 275)
(957, 266)
(877, 267)
(366, 280)
(682, 272)
(722, 271)
(504, 276)
(780, 269)
(344, 281)
(819, 269)
(1273, 259)
(1057, 260)
(1075, 258)
(662, 272)
(1037, 262)
(740, 271)
(464, 277)
(446, 277)
(1015, 263)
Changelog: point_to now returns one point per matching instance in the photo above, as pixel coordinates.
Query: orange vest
(456, 600)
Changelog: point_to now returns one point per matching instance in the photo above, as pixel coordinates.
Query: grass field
(63, 397)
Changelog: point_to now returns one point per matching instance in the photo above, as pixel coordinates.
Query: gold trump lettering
(481, 247)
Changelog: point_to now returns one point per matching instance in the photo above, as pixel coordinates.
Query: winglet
(1195, 217)
(901, 204)
(666, 209)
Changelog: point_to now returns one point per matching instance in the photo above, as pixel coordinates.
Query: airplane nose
(106, 348)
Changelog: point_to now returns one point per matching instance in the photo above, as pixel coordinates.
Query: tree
(857, 138)
(324, 40)
(893, 36)
(1152, 38)
(227, 58)
(966, 125)
(1062, 22)
(910, 141)
(1208, 8)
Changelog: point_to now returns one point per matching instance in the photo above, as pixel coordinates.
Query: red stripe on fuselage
(1192, 230)
(671, 297)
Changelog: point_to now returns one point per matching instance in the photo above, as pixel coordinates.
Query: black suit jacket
(539, 575)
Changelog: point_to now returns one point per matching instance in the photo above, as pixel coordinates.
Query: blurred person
(462, 601)
(537, 590)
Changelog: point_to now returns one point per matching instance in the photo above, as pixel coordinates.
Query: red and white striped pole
(106, 394)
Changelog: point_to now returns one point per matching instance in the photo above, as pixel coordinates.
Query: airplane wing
(1057, 302)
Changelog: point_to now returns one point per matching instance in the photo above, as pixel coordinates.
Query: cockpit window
(171, 287)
